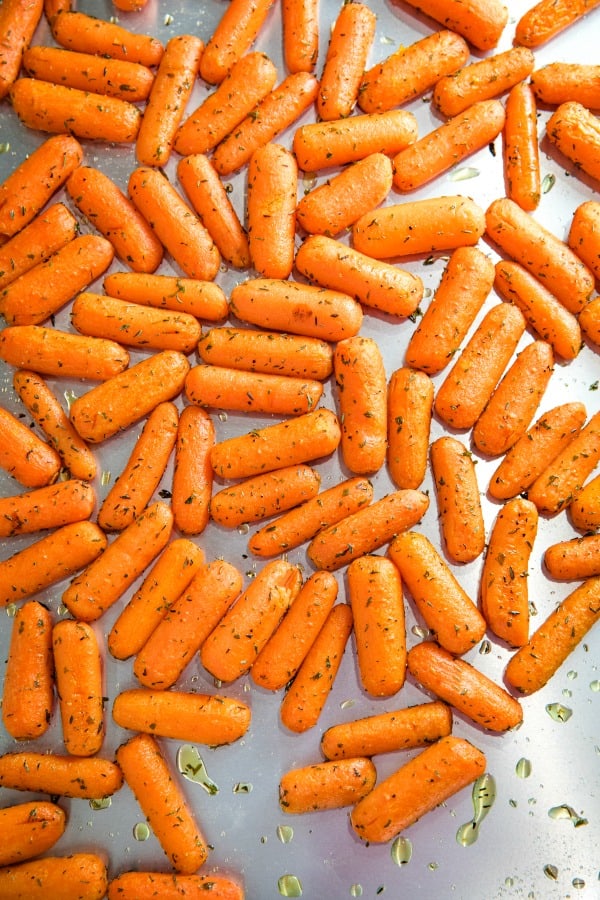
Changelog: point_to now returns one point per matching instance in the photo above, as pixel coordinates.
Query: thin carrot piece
(46, 507)
(458, 500)
(444, 605)
(236, 32)
(409, 408)
(557, 82)
(305, 700)
(24, 455)
(575, 132)
(480, 22)
(81, 777)
(192, 474)
(575, 559)
(263, 496)
(171, 886)
(300, 25)
(53, 7)
(543, 21)
(482, 80)
(521, 152)
(584, 233)
(360, 378)
(584, 512)
(589, 321)
(79, 876)
(88, 34)
(29, 829)
(345, 61)
(503, 590)
(45, 234)
(28, 692)
(202, 299)
(272, 192)
(88, 72)
(78, 673)
(61, 354)
(268, 352)
(18, 22)
(326, 785)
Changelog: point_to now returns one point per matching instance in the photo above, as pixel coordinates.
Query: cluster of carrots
(290, 338)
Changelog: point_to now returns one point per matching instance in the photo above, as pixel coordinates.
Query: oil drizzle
(191, 765)
(484, 794)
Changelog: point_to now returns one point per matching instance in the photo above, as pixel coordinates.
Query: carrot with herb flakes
(585, 511)
(262, 496)
(480, 22)
(79, 876)
(575, 559)
(458, 500)
(272, 192)
(326, 785)
(61, 354)
(24, 455)
(268, 352)
(234, 35)
(28, 691)
(409, 409)
(171, 886)
(202, 299)
(589, 321)
(79, 681)
(300, 26)
(547, 18)
(192, 482)
(345, 61)
(584, 236)
(444, 605)
(18, 22)
(46, 233)
(163, 803)
(30, 829)
(521, 157)
(366, 530)
(82, 777)
(237, 389)
(503, 590)
(88, 34)
(482, 80)
(46, 507)
(557, 82)
(575, 132)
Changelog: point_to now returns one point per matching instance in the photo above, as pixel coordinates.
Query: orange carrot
(482, 80)
(18, 22)
(87, 34)
(521, 153)
(60, 354)
(107, 578)
(367, 530)
(300, 25)
(79, 876)
(584, 512)
(29, 829)
(430, 778)
(28, 693)
(575, 132)
(162, 801)
(402, 729)
(589, 321)
(410, 402)
(575, 559)
(192, 474)
(444, 605)
(90, 777)
(583, 236)
(268, 352)
(547, 18)
(53, 7)
(305, 700)
(326, 785)
(234, 35)
(557, 82)
(24, 455)
(202, 299)
(79, 682)
(171, 886)
(46, 507)
(503, 588)
(346, 60)
(272, 190)
(45, 234)
(263, 496)
(459, 504)
(480, 22)
(89, 72)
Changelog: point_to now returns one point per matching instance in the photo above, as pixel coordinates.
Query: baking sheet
(527, 846)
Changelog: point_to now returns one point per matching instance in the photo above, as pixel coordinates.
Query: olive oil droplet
(289, 886)
(191, 765)
(285, 833)
(141, 832)
(558, 712)
(401, 851)
(523, 768)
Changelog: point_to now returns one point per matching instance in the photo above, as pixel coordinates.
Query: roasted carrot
(326, 785)
(411, 71)
(466, 389)
(446, 146)
(300, 26)
(533, 665)
(166, 581)
(88, 34)
(306, 697)
(444, 605)
(45, 234)
(536, 449)
(126, 398)
(79, 683)
(521, 156)
(575, 559)
(186, 623)
(547, 18)
(409, 408)
(53, 7)
(480, 22)
(272, 193)
(18, 22)
(268, 352)
(171, 886)
(584, 512)
(360, 379)
(430, 778)
(575, 132)
(263, 496)
(236, 32)
(192, 474)
(466, 282)
(202, 299)
(107, 578)
(482, 80)
(90, 778)
(543, 254)
(367, 530)
(589, 321)
(28, 693)
(503, 590)
(30, 829)
(24, 455)
(557, 82)
(79, 876)
(402, 729)
(184, 716)
(464, 687)
(459, 506)
(162, 801)
(46, 507)
(583, 236)
(350, 42)
(60, 354)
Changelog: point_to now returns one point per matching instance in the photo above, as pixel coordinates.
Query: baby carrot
(202, 299)
(584, 235)
(589, 321)
(28, 692)
(268, 352)
(263, 496)
(321, 145)
(50, 559)
(53, 7)
(174, 223)
(557, 82)
(60, 354)
(459, 505)
(302, 309)
(236, 32)
(503, 588)
(575, 132)
(24, 455)
(464, 286)
(300, 26)
(79, 876)
(46, 507)
(430, 778)
(548, 18)
(45, 234)
(411, 71)
(464, 687)
(536, 449)
(360, 379)
(482, 80)
(107, 578)
(192, 473)
(272, 193)
(446, 146)
(346, 60)
(79, 682)
(88, 34)
(584, 512)
(402, 729)
(90, 777)
(186, 623)
(419, 226)
(367, 529)
(183, 716)
(464, 393)
(446, 608)
(543, 254)
(574, 559)
(480, 22)
(410, 403)
(284, 652)
(171, 886)
(207, 194)
(521, 156)
(126, 398)
(303, 522)
(337, 203)
(18, 22)
(168, 578)
(29, 829)
(533, 665)
(326, 785)
(306, 697)
(544, 314)
(161, 799)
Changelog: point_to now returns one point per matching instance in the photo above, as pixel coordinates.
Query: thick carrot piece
(409, 408)
(446, 608)
(346, 60)
(79, 682)
(234, 35)
(268, 352)
(549, 646)
(28, 693)
(434, 775)
(143, 470)
(45, 234)
(171, 886)
(263, 496)
(192, 474)
(60, 354)
(557, 82)
(237, 389)
(79, 876)
(81, 777)
(574, 559)
(272, 193)
(546, 19)
(589, 321)
(29, 829)
(326, 785)
(367, 530)
(503, 589)
(521, 155)
(18, 22)
(402, 729)
(300, 25)
(575, 132)
(361, 383)
(480, 22)
(446, 146)
(584, 236)
(162, 801)
(584, 512)
(186, 623)
(88, 34)
(458, 499)
(202, 299)
(482, 80)
(305, 700)
(46, 507)
(24, 455)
